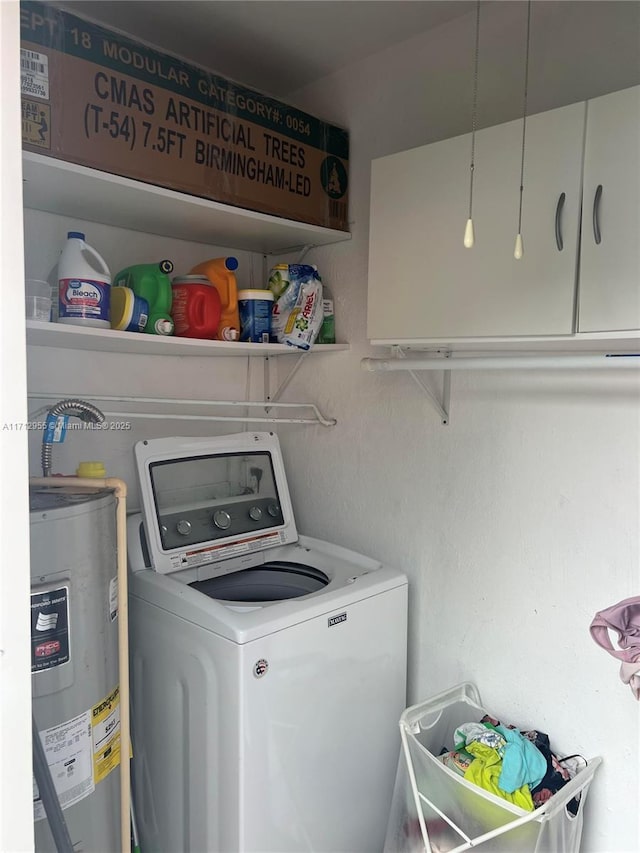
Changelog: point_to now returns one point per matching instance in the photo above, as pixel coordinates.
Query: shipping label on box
(100, 99)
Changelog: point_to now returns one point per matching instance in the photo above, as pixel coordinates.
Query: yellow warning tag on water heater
(105, 729)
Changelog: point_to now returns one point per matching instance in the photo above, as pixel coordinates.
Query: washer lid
(207, 500)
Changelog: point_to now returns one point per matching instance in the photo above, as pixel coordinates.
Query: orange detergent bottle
(221, 274)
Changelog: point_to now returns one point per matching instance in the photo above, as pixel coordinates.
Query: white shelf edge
(598, 342)
(61, 336)
(68, 189)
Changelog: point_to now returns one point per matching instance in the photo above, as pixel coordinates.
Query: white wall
(519, 520)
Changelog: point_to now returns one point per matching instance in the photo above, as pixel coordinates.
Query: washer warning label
(49, 629)
(190, 559)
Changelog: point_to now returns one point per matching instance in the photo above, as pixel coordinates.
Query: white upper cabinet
(423, 283)
(610, 245)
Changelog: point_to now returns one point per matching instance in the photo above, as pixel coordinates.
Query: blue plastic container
(255, 307)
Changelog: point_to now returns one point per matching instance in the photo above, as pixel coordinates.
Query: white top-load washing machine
(267, 669)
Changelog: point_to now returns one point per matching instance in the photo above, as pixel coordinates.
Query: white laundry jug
(84, 284)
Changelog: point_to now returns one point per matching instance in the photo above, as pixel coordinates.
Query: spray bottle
(221, 274)
(152, 283)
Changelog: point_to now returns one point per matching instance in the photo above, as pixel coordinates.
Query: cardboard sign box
(95, 97)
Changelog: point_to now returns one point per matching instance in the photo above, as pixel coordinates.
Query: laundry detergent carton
(297, 308)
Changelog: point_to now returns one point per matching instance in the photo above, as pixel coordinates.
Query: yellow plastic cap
(91, 469)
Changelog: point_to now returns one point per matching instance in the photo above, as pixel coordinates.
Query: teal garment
(522, 762)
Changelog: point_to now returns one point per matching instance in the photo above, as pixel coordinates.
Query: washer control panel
(193, 525)
(209, 499)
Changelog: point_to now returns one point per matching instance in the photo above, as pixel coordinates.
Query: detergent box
(95, 97)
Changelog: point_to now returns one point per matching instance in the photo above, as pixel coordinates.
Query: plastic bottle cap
(256, 294)
(77, 235)
(164, 327)
(231, 263)
(91, 469)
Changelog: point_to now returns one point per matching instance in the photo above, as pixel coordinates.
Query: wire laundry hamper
(434, 810)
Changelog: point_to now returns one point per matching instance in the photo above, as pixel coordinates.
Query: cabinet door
(609, 296)
(423, 283)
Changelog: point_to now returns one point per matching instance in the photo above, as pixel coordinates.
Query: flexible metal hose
(48, 794)
(86, 412)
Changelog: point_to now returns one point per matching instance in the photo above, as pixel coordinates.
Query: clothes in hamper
(458, 760)
(558, 772)
(516, 766)
(522, 764)
(469, 732)
(485, 771)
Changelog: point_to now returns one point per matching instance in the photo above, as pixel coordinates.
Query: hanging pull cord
(468, 231)
(519, 249)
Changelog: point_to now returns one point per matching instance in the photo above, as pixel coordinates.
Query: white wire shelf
(315, 416)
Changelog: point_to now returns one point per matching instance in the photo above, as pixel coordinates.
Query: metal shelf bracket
(273, 398)
(441, 406)
(446, 361)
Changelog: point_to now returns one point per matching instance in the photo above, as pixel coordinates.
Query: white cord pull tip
(468, 234)
(519, 249)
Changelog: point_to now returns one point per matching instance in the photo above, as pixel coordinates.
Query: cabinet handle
(596, 211)
(559, 208)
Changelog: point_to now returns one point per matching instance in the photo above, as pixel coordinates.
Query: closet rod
(242, 404)
(169, 416)
(507, 362)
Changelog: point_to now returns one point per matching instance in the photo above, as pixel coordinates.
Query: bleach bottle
(84, 284)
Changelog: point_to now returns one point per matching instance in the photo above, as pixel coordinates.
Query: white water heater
(74, 662)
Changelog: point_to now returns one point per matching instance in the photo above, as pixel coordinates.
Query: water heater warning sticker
(105, 723)
(67, 748)
(49, 629)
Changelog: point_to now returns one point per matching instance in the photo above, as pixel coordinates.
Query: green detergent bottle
(151, 282)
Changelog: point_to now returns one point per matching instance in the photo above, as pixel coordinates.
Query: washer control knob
(255, 513)
(222, 519)
(273, 510)
(183, 527)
